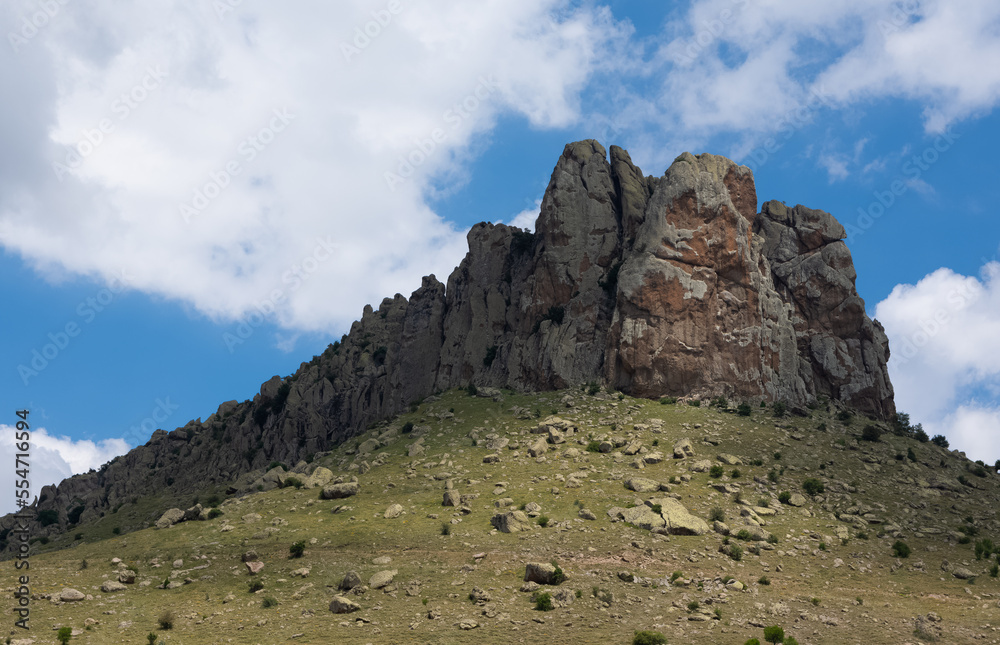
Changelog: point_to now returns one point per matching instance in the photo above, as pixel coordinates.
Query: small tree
(297, 549)
(774, 634)
(939, 440)
(64, 634)
(901, 549)
(780, 409)
(871, 433)
(744, 409)
(151, 637)
(813, 486)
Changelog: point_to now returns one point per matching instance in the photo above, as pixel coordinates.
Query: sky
(195, 197)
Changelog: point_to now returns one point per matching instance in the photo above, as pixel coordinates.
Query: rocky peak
(671, 285)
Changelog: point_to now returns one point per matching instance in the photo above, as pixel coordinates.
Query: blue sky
(168, 173)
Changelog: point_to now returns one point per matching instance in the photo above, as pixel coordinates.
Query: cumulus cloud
(526, 218)
(53, 459)
(944, 333)
(260, 158)
(759, 68)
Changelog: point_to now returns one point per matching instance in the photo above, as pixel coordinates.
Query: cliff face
(671, 285)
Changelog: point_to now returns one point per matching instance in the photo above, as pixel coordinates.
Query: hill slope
(671, 285)
(830, 565)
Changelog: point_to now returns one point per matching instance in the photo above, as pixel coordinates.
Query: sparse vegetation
(871, 433)
(64, 634)
(543, 602)
(744, 409)
(268, 602)
(900, 549)
(297, 549)
(779, 410)
(939, 440)
(166, 619)
(813, 486)
(716, 471)
(774, 634)
(717, 514)
(649, 638)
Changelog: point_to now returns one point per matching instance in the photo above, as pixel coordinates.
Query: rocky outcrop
(656, 286)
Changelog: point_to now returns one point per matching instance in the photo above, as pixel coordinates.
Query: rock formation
(656, 286)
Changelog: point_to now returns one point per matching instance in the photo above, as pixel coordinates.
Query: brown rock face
(671, 285)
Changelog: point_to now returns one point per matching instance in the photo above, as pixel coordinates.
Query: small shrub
(214, 513)
(151, 638)
(814, 601)
(255, 586)
(861, 535)
(779, 409)
(117, 530)
(821, 427)
(64, 634)
(965, 539)
(763, 502)
(822, 546)
(736, 552)
(764, 580)
(268, 602)
(910, 454)
(543, 521)
(693, 605)
(995, 570)
(901, 549)
(717, 515)
(83, 565)
(744, 535)
(656, 508)
(772, 539)
(716, 471)
(813, 486)
(594, 446)
(845, 417)
(695, 404)
(649, 638)
(756, 462)
(772, 476)
(297, 549)
(543, 602)
(939, 440)
(871, 433)
(784, 497)
(293, 481)
(719, 402)
(668, 400)
(445, 528)
(407, 427)
(166, 619)
(744, 409)
(752, 641)
(736, 474)
(985, 548)
(579, 593)
(777, 456)
(774, 634)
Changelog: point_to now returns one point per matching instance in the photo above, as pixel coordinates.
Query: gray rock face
(672, 285)
(340, 491)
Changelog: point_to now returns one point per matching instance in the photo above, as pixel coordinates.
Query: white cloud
(944, 334)
(289, 132)
(759, 68)
(526, 218)
(835, 165)
(53, 459)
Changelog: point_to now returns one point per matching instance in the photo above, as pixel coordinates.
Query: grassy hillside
(828, 575)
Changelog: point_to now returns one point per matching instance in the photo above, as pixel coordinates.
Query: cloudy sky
(195, 196)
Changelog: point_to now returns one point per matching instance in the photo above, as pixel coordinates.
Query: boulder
(340, 491)
(393, 512)
(71, 595)
(341, 605)
(195, 513)
(677, 518)
(642, 485)
(452, 498)
(254, 567)
(797, 500)
(350, 581)
(319, 477)
(730, 460)
(126, 576)
(538, 448)
(683, 448)
(169, 518)
(542, 573)
(382, 579)
(511, 522)
(702, 466)
(111, 586)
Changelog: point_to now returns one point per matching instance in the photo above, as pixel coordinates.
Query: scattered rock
(683, 448)
(382, 579)
(71, 595)
(340, 491)
(111, 586)
(350, 581)
(254, 567)
(511, 522)
(393, 512)
(542, 573)
(341, 605)
(169, 518)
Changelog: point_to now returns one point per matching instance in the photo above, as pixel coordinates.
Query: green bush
(48, 517)
(214, 513)
(693, 605)
(293, 481)
(939, 440)
(736, 474)
(407, 427)
(813, 486)
(752, 641)
(668, 400)
(543, 521)
(675, 575)
(744, 535)
(717, 515)
(845, 417)
(594, 446)
(255, 586)
(268, 602)
(64, 634)
(558, 576)
(735, 552)
(779, 409)
(985, 548)
(649, 638)
(774, 634)
(719, 402)
(151, 638)
(166, 619)
(901, 549)
(764, 580)
(445, 528)
(695, 404)
(871, 433)
(543, 602)
(772, 476)
(716, 471)
(784, 497)
(744, 409)
(297, 549)
(471, 389)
